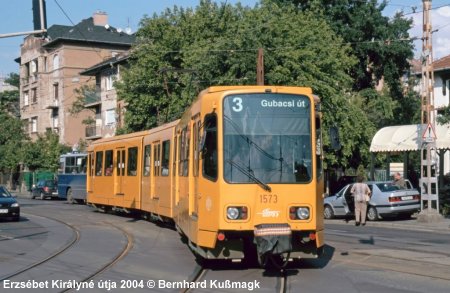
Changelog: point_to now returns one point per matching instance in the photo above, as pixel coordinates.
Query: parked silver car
(387, 200)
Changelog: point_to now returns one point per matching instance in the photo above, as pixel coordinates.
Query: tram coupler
(272, 239)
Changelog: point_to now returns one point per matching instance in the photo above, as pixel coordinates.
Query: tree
(12, 138)
(220, 42)
(13, 79)
(43, 154)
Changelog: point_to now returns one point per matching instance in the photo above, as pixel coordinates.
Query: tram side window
(319, 154)
(108, 163)
(156, 158)
(98, 163)
(196, 144)
(165, 158)
(81, 164)
(174, 161)
(132, 161)
(209, 147)
(147, 157)
(91, 166)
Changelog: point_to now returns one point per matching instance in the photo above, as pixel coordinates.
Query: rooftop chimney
(100, 18)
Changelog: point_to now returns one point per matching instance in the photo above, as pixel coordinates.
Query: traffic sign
(429, 134)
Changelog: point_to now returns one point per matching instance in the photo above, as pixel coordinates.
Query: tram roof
(403, 138)
(213, 89)
(137, 134)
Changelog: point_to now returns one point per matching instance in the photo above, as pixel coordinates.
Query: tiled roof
(86, 31)
(443, 63)
(107, 63)
(438, 65)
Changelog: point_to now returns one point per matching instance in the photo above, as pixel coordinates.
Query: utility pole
(260, 67)
(39, 20)
(429, 202)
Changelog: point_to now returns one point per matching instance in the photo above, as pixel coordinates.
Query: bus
(72, 177)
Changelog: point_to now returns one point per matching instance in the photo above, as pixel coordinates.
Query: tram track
(76, 237)
(125, 250)
(72, 242)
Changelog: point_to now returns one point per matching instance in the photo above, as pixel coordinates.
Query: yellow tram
(241, 169)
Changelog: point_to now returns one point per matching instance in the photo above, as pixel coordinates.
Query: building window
(45, 64)
(26, 98)
(111, 77)
(33, 123)
(33, 96)
(110, 117)
(444, 86)
(33, 67)
(55, 91)
(55, 62)
(55, 115)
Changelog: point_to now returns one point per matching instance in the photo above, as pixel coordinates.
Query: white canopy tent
(407, 138)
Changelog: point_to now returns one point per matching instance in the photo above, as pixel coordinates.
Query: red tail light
(395, 199)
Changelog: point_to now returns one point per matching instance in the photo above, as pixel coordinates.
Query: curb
(441, 227)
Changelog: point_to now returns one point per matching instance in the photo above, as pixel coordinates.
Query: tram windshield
(267, 138)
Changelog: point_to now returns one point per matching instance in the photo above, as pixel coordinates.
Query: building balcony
(92, 99)
(93, 132)
(52, 105)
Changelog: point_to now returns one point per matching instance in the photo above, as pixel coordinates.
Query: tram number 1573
(268, 198)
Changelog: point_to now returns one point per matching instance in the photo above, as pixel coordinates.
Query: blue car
(9, 207)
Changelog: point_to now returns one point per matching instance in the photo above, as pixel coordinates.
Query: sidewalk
(442, 226)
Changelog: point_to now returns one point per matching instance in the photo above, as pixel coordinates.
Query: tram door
(146, 173)
(120, 171)
(156, 170)
(195, 194)
(90, 172)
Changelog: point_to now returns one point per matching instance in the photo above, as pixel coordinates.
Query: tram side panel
(156, 188)
(114, 174)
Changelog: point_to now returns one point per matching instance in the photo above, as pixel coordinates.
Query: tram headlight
(232, 213)
(303, 213)
(299, 213)
(237, 213)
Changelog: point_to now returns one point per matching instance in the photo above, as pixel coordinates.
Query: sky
(16, 16)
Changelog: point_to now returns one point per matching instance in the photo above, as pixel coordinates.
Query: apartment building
(50, 67)
(102, 100)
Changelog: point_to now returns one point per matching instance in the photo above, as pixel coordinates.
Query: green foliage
(444, 115)
(13, 79)
(84, 95)
(361, 172)
(12, 138)
(220, 43)
(9, 102)
(43, 154)
(329, 45)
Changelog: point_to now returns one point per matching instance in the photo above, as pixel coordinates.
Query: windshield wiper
(250, 175)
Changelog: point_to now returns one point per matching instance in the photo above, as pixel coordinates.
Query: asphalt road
(56, 246)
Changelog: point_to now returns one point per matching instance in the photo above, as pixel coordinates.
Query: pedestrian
(399, 181)
(361, 194)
